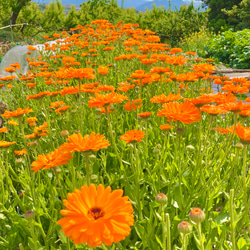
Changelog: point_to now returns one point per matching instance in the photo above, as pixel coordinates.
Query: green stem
(184, 244)
(86, 155)
(168, 232)
(112, 138)
(198, 227)
(244, 181)
(137, 181)
(231, 207)
(163, 224)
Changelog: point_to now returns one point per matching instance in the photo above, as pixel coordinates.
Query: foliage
(99, 9)
(172, 24)
(11, 10)
(217, 18)
(241, 12)
(196, 41)
(232, 48)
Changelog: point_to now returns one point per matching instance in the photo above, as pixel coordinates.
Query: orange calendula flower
(105, 88)
(38, 96)
(233, 107)
(10, 69)
(6, 144)
(31, 119)
(20, 152)
(53, 159)
(204, 67)
(92, 142)
(175, 50)
(14, 123)
(235, 88)
(3, 130)
(144, 115)
(213, 109)
(221, 98)
(185, 112)
(17, 113)
(159, 70)
(176, 60)
(133, 136)
(243, 133)
(96, 216)
(16, 65)
(62, 109)
(227, 130)
(105, 100)
(103, 70)
(35, 135)
(133, 105)
(166, 127)
(201, 100)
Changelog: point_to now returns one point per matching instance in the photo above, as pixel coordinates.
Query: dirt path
(221, 69)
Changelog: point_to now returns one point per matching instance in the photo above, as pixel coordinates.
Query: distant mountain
(137, 4)
(174, 4)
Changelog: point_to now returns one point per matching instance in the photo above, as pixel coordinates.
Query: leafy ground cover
(114, 140)
(231, 48)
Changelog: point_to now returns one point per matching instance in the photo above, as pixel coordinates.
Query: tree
(32, 15)
(72, 18)
(216, 16)
(242, 12)
(10, 9)
(53, 17)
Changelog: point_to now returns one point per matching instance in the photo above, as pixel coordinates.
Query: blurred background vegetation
(189, 27)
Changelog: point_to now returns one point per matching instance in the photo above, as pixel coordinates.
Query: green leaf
(241, 244)
(158, 240)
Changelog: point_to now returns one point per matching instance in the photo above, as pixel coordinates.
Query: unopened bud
(33, 144)
(161, 198)
(190, 147)
(64, 133)
(239, 145)
(184, 227)
(19, 161)
(197, 215)
(92, 156)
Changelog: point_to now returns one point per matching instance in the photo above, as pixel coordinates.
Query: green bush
(232, 48)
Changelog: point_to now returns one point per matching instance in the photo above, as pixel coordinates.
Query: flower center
(96, 212)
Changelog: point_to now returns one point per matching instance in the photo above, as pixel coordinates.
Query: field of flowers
(114, 140)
